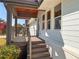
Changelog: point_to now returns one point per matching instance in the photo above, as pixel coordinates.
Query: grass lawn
(2, 41)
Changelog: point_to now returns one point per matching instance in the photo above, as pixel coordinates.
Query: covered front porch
(20, 10)
(32, 47)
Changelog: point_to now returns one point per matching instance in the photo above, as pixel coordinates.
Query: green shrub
(9, 52)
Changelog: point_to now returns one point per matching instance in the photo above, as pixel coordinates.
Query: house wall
(70, 25)
(64, 43)
(33, 26)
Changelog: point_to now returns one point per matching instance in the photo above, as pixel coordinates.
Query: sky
(3, 15)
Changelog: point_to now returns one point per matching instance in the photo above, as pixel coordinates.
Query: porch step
(42, 45)
(39, 50)
(37, 42)
(40, 55)
(42, 58)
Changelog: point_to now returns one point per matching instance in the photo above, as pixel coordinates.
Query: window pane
(43, 17)
(43, 21)
(48, 24)
(48, 19)
(48, 15)
(58, 23)
(57, 11)
(43, 25)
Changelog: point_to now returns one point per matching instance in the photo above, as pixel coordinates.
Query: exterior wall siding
(70, 26)
(70, 29)
(62, 43)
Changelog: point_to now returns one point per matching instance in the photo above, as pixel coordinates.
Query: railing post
(29, 43)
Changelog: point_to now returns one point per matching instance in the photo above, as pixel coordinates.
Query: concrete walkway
(2, 36)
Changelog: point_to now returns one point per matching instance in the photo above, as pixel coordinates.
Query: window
(43, 21)
(57, 12)
(48, 19)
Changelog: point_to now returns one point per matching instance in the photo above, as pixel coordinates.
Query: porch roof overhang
(23, 8)
(34, 3)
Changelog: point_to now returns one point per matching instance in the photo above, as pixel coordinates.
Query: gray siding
(70, 22)
(65, 41)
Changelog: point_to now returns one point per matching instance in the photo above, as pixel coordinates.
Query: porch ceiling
(26, 12)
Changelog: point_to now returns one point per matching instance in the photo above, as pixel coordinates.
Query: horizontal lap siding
(69, 33)
(70, 23)
(70, 29)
